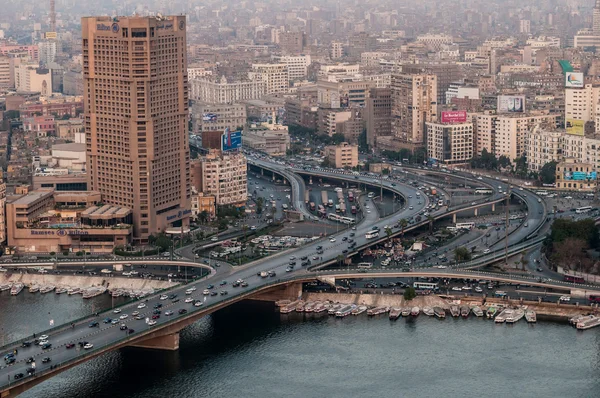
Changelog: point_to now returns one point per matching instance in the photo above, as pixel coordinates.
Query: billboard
(209, 117)
(575, 127)
(231, 140)
(579, 175)
(574, 80)
(454, 117)
(511, 103)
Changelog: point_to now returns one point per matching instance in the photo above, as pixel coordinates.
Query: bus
(573, 279)
(364, 265)
(372, 234)
(543, 193)
(312, 206)
(426, 286)
(465, 225)
(594, 299)
(499, 293)
(583, 209)
(342, 219)
(483, 191)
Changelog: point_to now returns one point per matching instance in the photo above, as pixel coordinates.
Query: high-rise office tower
(136, 110)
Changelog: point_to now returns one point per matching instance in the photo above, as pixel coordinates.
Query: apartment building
(32, 78)
(209, 91)
(276, 76)
(217, 117)
(378, 114)
(342, 155)
(485, 132)
(577, 176)
(224, 176)
(450, 143)
(512, 130)
(297, 65)
(543, 146)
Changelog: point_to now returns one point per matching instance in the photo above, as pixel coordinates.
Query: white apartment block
(434, 41)
(372, 58)
(485, 131)
(224, 92)
(194, 73)
(542, 147)
(582, 103)
(224, 176)
(297, 65)
(276, 76)
(512, 131)
(339, 69)
(450, 143)
(582, 149)
(337, 50)
(6, 72)
(217, 117)
(30, 78)
(47, 51)
(544, 41)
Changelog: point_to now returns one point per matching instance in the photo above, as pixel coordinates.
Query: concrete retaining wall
(85, 281)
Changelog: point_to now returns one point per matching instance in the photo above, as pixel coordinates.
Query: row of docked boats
(584, 322)
(16, 288)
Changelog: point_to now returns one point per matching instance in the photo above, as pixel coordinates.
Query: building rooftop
(32, 197)
(73, 147)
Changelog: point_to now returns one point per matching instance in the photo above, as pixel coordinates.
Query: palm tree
(403, 224)
(203, 216)
(388, 232)
(244, 228)
(340, 259)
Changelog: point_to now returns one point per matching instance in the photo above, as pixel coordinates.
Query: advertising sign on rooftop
(231, 140)
(454, 117)
(573, 79)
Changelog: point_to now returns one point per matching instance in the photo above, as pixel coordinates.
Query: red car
(70, 345)
(155, 316)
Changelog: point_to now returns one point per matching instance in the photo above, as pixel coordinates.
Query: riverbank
(85, 281)
(554, 311)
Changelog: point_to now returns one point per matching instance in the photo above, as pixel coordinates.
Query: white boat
(47, 289)
(515, 316)
(415, 311)
(60, 290)
(6, 286)
(16, 289)
(477, 311)
(530, 316)
(428, 311)
(500, 318)
(344, 311)
(93, 292)
(395, 313)
(454, 310)
(320, 307)
(309, 307)
(589, 323)
(334, 308)
(34, 288)
(359, 310)
(74, 290)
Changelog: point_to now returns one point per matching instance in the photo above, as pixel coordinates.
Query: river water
(249, 350)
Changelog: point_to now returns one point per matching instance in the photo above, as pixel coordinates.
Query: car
(10, 360)
(198, 304)
(223, 283)
(293, 258)
(288, 269)
(565, 298)
(70, 345)
(332, 240)
(155, 316)
(151, 322)
(272, 274)
(214, 239)
(114, 321)
(157, 305)
(88, 346)
(189, 300)
(319, 247)
(410, 208)
(124, 316)
(44, 337)
(46, 346)
(156, 311)
(244, 284)
(175, 300)
(344, 239)
(18, 376)
(26, 344)
(107, 320)
(344, 251)
(353, 228)
(29, 360)
(352, 234)
(213, 293)
(457, 289)
(223, 292)
(304, 258)
(130, 331)
(141, 305)
(117, 311)
(163, 297)
(123, 326)
(315, 257)
(182, 311)
(478, 289)
(486, 251)
(467, 288)
(172, 296)
(94, 324)
(188, 292)
(539, 269)
(135, 313)
(138, 317)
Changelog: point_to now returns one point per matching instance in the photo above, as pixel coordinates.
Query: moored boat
(74, 290)
(46, 289)
(395, 313)
(359, 310)
(439, 312)
(334, 308)
(428, 311)
(60, 290)
(377, 310)
(406, 311)
(415, 311)
(491, 312)
(515, 316)
(300, 306)
(344, 311)
(16, 289)
(320, 307)
(5, 286)
(464, 311)
(588, 323)
(501, 317)
(281, 303)
(93, 292)
(309, 306)
(34, 288)
(530, 316)
(286, 309)
(454, 310)
(477, 311)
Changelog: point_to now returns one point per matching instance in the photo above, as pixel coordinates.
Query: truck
(118, 267)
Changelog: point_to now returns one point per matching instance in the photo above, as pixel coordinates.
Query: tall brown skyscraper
(136, 109)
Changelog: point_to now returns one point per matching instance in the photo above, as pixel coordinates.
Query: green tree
(12, 115)
(203, 216)
(409, 293)
(548, 173)
(462, 254)
(431, 220)
(403, 224)
(163, 242)
(326, 163)
(338, 138)
(503, 161)
(152, 239)
(388, 232)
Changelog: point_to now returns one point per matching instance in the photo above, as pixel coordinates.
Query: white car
(565, 298)
(124, 316)
(214, 239)
(134, 313)
(206, 292)
(189, 300)
(188, 292)
(197, 303)
(88, 346)
(478, 289)
(151, 322)
(486, 251)
(164, 297)
(332, 240)
(467, 288)
(141, 305)
(568, 197)
(457, 289)
(117, 311)
(44, 337)
(193, 288)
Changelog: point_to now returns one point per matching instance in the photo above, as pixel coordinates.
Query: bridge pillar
(476, 212)
(493, 207)
(262, 171)
(454, 218)
(310, 180)
(169, 342)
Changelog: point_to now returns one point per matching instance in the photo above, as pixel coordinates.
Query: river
(248, 350)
